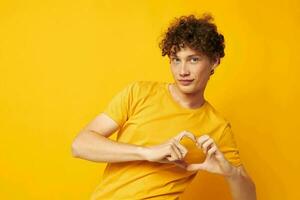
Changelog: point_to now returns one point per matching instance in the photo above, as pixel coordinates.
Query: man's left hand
(215, 161)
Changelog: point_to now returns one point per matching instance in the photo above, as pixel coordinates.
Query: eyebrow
(192, 55)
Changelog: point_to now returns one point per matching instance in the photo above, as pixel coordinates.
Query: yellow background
(62, 61)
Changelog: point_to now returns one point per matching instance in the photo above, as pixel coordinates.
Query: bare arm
(92, 144)
(241, 185)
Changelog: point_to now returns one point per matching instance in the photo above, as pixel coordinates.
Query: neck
(187, 100)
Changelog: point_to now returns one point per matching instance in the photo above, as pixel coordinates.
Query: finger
(201, 140)
(182, 149)
(195, 167)
(181, 163)
(179, 136)
(165, 160)
(170, 158)
(212, 151)
(207, 144)
(201, 146)
(172, 154)
(186, 134)
(177, 151)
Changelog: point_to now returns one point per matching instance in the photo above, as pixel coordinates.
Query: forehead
(186, 52)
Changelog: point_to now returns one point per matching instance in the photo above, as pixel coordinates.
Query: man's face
(193, 67)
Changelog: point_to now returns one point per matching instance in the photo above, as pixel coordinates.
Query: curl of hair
(199, 34)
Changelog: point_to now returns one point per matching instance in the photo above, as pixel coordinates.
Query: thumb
(195, 167)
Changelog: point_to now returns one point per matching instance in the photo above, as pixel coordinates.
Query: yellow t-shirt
(148, 115)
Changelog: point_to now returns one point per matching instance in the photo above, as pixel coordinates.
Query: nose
(184, 71)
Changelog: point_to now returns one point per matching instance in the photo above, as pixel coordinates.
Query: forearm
(241, 186)
(95, 147)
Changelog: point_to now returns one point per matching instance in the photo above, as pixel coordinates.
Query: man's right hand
(170, 151)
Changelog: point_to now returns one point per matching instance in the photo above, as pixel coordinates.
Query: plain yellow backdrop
(62, 61)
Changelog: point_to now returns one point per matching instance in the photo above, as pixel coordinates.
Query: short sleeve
(119, 106)
(228, 146)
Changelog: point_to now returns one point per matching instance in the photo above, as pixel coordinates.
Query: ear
(215, 63)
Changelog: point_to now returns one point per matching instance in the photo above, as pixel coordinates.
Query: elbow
(75, 149)
(77, 145)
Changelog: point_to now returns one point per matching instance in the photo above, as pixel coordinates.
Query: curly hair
(199, 34)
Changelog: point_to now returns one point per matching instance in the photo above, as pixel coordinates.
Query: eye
(175, 60)
(194, 60)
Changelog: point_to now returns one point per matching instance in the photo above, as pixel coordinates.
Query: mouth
(186, 81)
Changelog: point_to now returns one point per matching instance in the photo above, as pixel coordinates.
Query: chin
(186, 89)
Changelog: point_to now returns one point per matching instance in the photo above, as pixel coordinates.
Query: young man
(148, 160)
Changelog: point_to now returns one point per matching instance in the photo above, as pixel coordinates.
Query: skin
(191, 65)
(92, 142)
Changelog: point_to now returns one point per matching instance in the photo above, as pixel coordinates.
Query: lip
(185, 82)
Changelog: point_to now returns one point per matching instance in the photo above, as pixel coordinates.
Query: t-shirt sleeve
(119, 107)
(228, 146)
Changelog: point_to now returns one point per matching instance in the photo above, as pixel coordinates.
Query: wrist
(233, 173)
(142, 152)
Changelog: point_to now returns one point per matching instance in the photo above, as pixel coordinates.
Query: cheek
(199, 72)
(202, 69)
(174, 70)
(201, 75)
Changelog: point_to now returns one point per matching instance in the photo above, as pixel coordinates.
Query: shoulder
(146, 84)
(216, 116)
(222, 125)
(142, 87)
